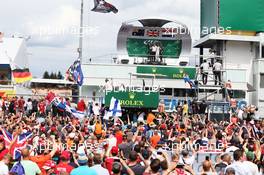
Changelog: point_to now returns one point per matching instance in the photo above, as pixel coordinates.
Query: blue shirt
(83, 170)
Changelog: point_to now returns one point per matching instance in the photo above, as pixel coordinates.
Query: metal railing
(115, 58)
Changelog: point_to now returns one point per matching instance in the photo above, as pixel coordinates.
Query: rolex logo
(131, 95)
(154, 70)
(181, 71)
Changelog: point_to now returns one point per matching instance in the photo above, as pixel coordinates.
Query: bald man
(31, 168)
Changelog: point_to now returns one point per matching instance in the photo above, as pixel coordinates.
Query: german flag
(22, 75)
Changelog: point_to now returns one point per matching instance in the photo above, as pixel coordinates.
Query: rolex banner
(134, 99)
(168, 72)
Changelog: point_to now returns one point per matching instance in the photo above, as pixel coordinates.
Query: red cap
(114, 150)
(49, 164)
(66, 155)
(53, 128)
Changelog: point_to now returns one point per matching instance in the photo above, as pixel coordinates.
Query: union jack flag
(153, 33)
(19, 143)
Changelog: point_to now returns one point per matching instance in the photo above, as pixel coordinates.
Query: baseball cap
(114, 150)
(82, 158)
(66, 155)
(49, 165)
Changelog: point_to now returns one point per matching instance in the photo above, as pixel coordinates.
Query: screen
(141, 47)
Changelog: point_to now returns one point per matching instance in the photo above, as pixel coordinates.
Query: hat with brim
(82, 159)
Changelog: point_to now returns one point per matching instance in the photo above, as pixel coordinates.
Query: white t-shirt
(96, 110)
(217, 66)
(231, 149)
(188, 161)
(3, 168)
(240, 114)
(153, 48)
(111, 142)
(106, 116)
(29, 105)
(253, 168)
(240, 168)
(205, 67)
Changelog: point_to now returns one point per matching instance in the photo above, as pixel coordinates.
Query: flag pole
(80, 49)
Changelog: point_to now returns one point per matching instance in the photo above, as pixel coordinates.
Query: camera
(180, 166)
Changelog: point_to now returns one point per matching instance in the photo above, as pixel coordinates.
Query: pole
(80, 49)
(81, 33)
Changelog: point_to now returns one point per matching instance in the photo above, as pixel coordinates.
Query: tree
(52, 76)
(59, 75)
(46, 75)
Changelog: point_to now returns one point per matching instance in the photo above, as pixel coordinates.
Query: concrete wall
(95, 75)
(258, 96)
(240, 55)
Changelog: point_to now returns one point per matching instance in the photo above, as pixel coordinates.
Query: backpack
(18, 169)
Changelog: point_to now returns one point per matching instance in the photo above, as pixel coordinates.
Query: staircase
(210, 91)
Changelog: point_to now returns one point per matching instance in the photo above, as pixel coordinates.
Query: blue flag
(189, 81)
(75, 73)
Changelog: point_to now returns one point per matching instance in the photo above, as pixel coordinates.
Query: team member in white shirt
(204, 71)
(217, 67)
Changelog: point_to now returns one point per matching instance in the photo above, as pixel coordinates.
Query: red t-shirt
(21, 103)
(64, 167)
(109, 163)
(119, 138)
(81, 106)
(41, 107)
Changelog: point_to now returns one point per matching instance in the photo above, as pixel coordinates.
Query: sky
(51, 27)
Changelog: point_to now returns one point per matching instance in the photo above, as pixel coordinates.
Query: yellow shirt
(185, 109)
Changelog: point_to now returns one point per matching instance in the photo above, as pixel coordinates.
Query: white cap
(72, 135)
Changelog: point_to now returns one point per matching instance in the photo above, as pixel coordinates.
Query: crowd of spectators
(154, 144)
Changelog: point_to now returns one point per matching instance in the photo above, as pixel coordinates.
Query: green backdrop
(137, 47)
(242, 15)
(245, 15)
